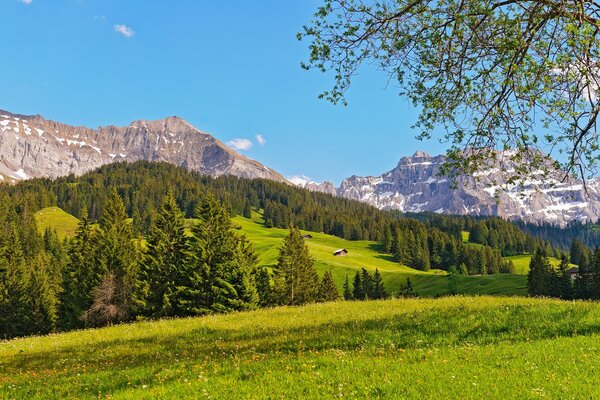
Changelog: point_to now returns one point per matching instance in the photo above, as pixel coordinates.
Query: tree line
(106, 274)
(566, 281)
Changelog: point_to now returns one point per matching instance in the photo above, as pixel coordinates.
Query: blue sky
(230, 68)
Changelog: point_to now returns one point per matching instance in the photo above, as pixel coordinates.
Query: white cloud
(300, 180)
(261, 139)
(26, 2)
(240, 144)
(124, 30)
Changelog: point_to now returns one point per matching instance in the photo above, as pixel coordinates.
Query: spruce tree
(247, 210)
(165, 261)
(367, 283)
(264, 288)
(328, 290)
(378, 287)
(565, 284)
(118, 256)
(595, 275)
(80, 276)
(297, 280)
(220, 277)
(348, 290)
(539, 278)
(358, 292)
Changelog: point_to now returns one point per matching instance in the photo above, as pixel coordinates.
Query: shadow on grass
(436, 327)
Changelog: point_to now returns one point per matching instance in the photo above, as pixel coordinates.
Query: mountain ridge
(417, 185)
(32, 146)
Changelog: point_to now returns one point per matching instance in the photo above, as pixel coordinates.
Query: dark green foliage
(348, 295)
(453, 277)
(118, 258)
(264, 288)
(81, 275)
(165, 261)
(328, 290)
(365, 286)
(220, 276)
(296, 279)
(247, 213)
(539, 278)
(379, 291)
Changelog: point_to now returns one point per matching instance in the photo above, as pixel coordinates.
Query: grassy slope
(522, 263)
(361, 254)
(468, 348)
(365, 254)
(53, 217)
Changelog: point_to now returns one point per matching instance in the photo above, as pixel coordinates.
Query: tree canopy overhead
(494, 74)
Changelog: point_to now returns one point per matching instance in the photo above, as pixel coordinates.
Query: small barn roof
(340, 251)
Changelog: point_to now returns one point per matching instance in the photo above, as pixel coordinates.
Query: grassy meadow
(453, 347)
(362, 254)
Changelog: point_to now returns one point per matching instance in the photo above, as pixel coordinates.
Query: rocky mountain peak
(421, 154)
(31, 146)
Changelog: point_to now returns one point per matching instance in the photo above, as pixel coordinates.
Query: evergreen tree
(594, 291)
(328, 290)
(453, 276)
(565, 284)
(387, 239)
(118, 256)
(357, 287)
(378, 287)
(247, 209)
(81, 275)
(264, 288)
(165, 261)
(348, 295)
(583, 280)
(220, 277)
(367, 283)
(297, 280)
(539, 278)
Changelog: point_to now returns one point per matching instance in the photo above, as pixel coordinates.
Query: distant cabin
(307, 236)
(340, 253)
(573, 272)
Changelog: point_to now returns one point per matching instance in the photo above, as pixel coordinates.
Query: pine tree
(583, 281)
(539, 278)
(348, 290)
(165, 261)
(247, 209)
(357, 288)
(378, 287)
(298, 282)
(264, 288)
(220, 277)
(595, 275)
(81, 274)
(328, 290)
(367, 283)
(453, 276)
(387, 240)
(565, 283)
(118, 256)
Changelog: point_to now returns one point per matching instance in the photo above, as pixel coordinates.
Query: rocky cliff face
(31, 146)
(415, 186)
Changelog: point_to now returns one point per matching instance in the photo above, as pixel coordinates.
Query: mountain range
(32, 146)
(416, 185)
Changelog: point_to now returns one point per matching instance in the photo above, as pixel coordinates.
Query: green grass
(365, 254)
(465, 236)
(521, 263)
(53, 217)
(467, 348)
(362, 254)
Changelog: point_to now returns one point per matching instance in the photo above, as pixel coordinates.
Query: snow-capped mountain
(415, 185)
(31, 146)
